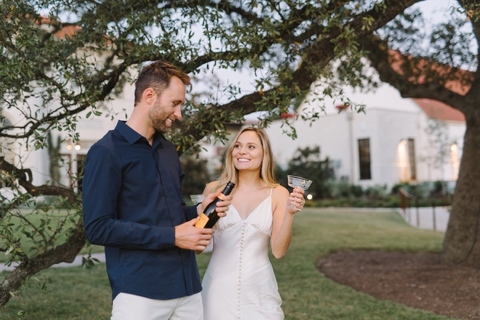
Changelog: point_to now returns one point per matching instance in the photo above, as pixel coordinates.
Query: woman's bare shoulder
(280, 191)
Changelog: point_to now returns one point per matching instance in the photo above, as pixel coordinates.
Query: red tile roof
(457, 80)
(67, 30)
(439, 110)
(435, 109)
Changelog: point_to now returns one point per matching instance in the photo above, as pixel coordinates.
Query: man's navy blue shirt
(132, 201)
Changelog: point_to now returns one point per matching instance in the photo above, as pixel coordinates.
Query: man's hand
(187, 236)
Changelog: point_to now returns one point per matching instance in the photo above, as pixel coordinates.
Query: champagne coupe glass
(296, 181)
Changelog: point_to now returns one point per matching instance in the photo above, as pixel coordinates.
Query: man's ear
(149, 95)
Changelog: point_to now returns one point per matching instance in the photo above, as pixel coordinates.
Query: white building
(392, 142)
(388, 144)
(72, 153)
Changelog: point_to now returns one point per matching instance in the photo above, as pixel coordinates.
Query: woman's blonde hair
(267, 170)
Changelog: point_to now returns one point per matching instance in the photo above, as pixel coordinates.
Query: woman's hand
(296, 201)
(222, 206)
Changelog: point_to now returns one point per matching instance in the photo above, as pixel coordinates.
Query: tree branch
(418, 77)
(320, 54)
(24, 178)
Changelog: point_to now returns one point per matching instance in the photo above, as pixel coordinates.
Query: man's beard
(159, 119)
(160, 125)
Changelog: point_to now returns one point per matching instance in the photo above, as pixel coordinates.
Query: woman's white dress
(239, 283)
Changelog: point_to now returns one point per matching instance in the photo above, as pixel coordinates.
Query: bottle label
(202, 221)
(221, 196)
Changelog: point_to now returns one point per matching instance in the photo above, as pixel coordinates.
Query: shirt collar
(133, 136)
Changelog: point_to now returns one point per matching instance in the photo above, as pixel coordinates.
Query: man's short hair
(157, 75)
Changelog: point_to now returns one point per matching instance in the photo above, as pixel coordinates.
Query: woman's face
(247, 153)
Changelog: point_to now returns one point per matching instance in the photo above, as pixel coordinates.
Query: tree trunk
(461, 242)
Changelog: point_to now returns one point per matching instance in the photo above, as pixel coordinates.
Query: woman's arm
(283, 218)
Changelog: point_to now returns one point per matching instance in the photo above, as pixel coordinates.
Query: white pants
(131, 307)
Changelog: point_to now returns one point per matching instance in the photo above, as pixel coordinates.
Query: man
(133, 205)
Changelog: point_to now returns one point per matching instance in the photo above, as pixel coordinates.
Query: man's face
(168, 106)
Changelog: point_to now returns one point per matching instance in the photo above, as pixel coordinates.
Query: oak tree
(62, 60)
(440, 61)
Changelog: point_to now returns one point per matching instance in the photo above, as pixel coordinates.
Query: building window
(364, 159)
(72, 163)
(455, 160)
(406, 162)
(411, 159)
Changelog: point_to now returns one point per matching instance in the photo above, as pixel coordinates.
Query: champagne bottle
(210, 216)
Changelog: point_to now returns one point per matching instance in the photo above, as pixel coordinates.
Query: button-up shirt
(132, 201)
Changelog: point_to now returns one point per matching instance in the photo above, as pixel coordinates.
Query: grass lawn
(55, 224)
(77, 293)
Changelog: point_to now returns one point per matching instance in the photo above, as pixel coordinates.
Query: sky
(436, 9)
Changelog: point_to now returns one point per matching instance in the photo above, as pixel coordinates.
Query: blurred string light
(77, 146)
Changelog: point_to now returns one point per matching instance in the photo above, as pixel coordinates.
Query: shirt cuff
(167, 235)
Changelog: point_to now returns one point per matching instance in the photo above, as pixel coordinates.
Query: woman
(239, 282)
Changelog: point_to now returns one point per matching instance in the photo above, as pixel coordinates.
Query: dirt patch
(418, 280)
